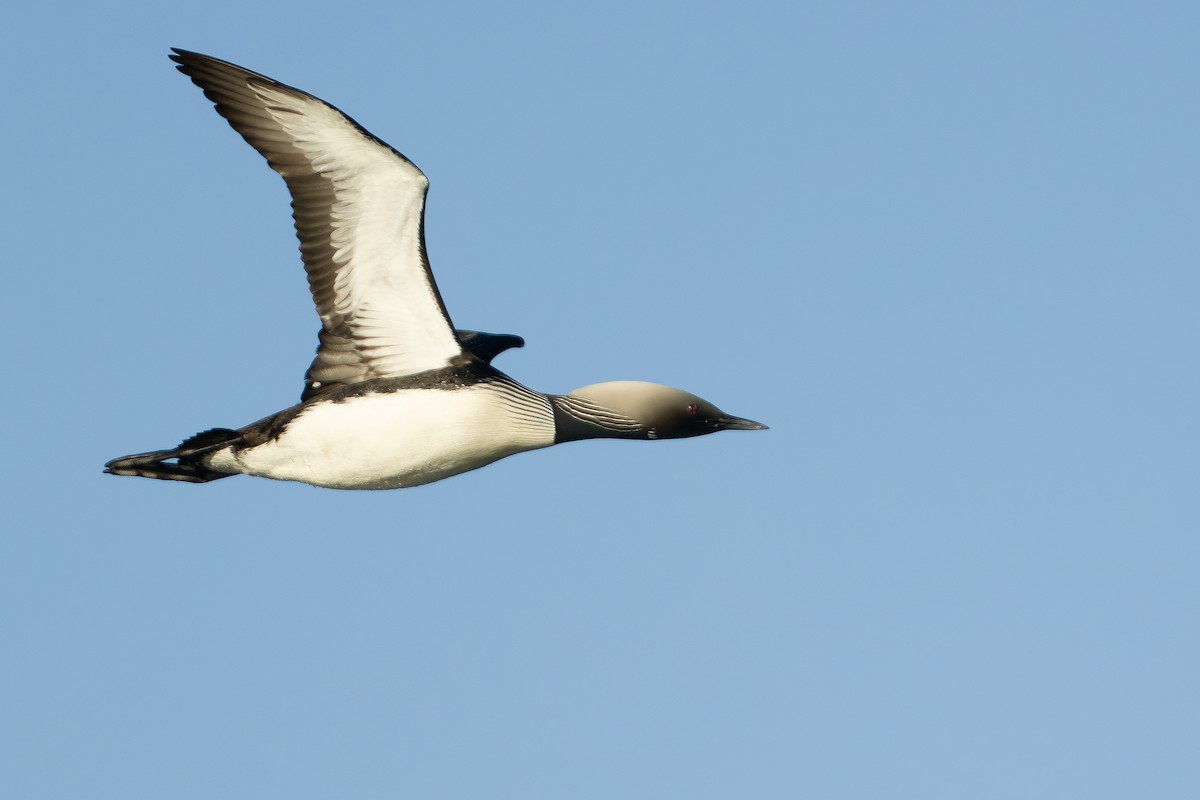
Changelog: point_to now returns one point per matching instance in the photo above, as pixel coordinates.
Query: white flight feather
(381, 285)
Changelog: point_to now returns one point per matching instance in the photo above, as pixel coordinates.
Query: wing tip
(182, 56)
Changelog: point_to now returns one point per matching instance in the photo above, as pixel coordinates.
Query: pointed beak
(739, 424)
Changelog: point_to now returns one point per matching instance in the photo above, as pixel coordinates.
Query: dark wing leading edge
(359, 208)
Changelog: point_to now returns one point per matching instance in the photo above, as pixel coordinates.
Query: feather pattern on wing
(359, 209)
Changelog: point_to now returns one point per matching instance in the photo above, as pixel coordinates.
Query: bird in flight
(396, 396)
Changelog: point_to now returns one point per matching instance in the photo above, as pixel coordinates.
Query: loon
(396, 396)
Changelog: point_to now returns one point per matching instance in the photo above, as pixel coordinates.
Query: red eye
(693, 409)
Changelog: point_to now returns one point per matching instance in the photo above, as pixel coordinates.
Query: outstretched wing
(359, 207)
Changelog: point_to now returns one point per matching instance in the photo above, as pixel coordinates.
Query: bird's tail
(180, 464)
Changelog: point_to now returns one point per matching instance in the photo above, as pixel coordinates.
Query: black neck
(576, 418)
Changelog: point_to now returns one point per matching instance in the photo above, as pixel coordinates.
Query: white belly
(405, 438)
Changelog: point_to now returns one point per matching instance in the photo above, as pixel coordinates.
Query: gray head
(638, 410)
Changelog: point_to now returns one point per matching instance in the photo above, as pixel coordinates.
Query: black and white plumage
(395, 396)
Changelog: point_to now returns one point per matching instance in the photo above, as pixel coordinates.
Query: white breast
(397, 439)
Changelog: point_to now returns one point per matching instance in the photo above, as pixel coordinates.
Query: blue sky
(947, 251)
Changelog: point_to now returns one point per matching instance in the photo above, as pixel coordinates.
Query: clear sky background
(948, 251)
